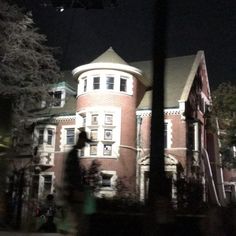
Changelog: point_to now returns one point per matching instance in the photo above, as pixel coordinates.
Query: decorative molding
(148, 112)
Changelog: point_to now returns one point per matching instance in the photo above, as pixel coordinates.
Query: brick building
(111, 100)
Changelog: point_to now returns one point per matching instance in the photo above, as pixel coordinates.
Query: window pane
(84, 121)
(123, 84)
(106, 180)
(93, 149)
(108, 119)
(96, 82)
(41, 131)
(70, 136)
(49, 139)
(108, 134)
(57, 99)
(165, 135)
(85, 85)
(107, 149)
(47, 183)
(94, 134)
(94, 119)
(109, 82)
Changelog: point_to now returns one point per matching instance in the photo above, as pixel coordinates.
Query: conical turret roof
(109, 56)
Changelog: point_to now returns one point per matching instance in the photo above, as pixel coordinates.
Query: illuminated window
(93, 149)
(107, 149)
(94, 134)
(108, 119)
(107, 134)
(94, 119)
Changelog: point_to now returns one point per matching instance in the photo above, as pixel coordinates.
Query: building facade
(111, 100)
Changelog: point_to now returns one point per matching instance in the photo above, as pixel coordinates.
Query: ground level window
(106, 180)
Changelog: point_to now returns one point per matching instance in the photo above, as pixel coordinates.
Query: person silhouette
(74, 184)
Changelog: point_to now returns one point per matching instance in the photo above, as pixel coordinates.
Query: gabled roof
(179, 76)
(109, 60)
(110, 56)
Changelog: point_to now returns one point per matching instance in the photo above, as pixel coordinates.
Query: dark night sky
(208, 25)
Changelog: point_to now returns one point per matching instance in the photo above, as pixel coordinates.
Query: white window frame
(169, 133)
(62, 99)
(101, 127)
(41, 191)
(44, 146)
(103, 75)
(108, 191)
(63, 137)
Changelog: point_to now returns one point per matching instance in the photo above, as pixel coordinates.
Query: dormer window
(56, 98)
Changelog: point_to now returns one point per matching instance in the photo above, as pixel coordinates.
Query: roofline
(185, 94)
(112, 66)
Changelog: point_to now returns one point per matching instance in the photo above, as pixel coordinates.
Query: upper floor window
(85, 85)
(123, 84)
(49, 136)
(96, 82)
(108, 119)
(45, 136)
(56, 98)
(109, 82)
(103, 126)
(167, 134)
(105, 80)
(94, 119)
(70, 136)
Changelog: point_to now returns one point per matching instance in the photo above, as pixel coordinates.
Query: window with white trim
(56, 98)
(85, 84)
(108, 119)
(123, 84)
(42, 184)
(103, 128)
(107, 149)
(108, 180)
(167, 133)
(96, 82)
(109, 82)
(45, 136)
(70, 136)
(105, 80)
